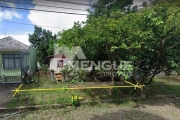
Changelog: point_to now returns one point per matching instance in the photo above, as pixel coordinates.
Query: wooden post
(52, 75)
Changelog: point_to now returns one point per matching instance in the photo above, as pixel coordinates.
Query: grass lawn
(163, 86)
(63, 96)
(162, 102)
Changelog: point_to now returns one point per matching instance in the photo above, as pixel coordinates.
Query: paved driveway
(6, 93)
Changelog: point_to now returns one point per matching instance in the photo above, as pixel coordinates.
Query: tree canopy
(43, 41)
(150, 38)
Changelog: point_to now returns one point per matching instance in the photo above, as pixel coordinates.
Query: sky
(10, 18)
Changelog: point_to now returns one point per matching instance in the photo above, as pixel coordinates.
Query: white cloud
(6, 14)
(20, 37)
(57, 19)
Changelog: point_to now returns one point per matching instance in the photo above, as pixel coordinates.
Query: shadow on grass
(128, 115)
(162, 91)
(161, 94)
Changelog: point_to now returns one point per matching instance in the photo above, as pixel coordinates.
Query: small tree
(43, 41)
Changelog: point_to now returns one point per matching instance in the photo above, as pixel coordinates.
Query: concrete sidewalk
(6, 93)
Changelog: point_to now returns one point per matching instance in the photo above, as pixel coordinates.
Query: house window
(11, 61)
(60, 63)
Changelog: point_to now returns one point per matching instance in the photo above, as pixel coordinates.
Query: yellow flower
(75, 97)
(80, 98)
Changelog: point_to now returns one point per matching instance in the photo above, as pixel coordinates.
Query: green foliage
(115, 93)
(125, 69)
(43, 41)
(66, 69)
(79, 75)
(149, 38)
(62, 100)
(65, 88)
(44, 68)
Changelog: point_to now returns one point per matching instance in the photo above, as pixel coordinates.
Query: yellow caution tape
(78, 88)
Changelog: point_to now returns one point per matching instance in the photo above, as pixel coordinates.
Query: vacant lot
(162, 102)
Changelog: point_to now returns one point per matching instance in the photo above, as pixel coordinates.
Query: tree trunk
(112, 76)
(140, 92)
(150, 81)
(112, 80)
(110, 91)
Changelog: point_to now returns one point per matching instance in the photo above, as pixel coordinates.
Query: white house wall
(53, 64)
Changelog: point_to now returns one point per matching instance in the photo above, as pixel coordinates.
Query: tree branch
(156, 71)
(153, 74)
(174, 45)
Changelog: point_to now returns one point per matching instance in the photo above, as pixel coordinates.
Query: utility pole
(5, 33)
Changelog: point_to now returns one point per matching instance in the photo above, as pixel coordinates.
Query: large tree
(43, 41)
(149, 38)
(94, 42)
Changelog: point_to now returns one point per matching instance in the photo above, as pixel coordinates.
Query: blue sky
(21, 31)
(15, 15)
(60, 20)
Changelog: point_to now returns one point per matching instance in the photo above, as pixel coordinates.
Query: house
(58, 61)
(16, 59)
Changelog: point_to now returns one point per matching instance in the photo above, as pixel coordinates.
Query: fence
(14, 75)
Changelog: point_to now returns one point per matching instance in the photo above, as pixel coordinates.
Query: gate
(15, 75)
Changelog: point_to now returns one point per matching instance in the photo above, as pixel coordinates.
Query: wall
(53, 64)
(33, 59)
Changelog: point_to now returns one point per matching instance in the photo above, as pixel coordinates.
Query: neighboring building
(16, 59)
(58, 61)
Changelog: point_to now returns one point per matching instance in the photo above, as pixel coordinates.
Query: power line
(32, 24)
(75, 3)
(43, 5)
(44, 10)
(69, 2)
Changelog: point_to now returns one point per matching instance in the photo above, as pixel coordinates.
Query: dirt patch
(6, 93)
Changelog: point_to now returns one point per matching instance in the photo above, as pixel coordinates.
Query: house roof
(11, 44)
